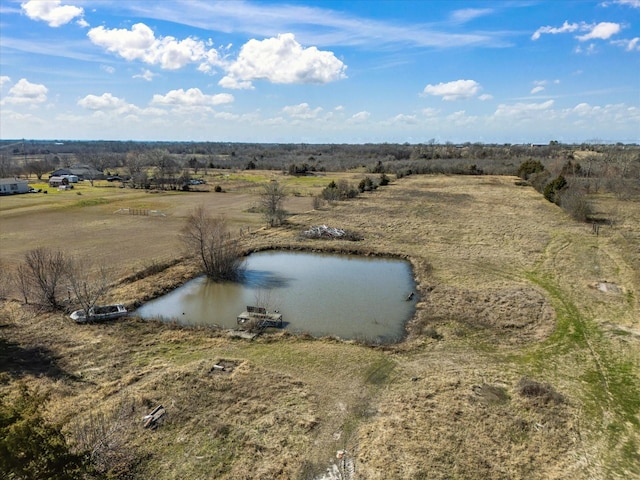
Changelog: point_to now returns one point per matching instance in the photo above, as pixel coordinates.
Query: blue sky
(321, 71)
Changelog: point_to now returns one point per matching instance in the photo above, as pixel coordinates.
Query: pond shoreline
(135, 290)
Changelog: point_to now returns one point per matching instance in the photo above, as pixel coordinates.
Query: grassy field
(522, 361)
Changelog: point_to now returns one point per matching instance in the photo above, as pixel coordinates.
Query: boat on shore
(99, 313)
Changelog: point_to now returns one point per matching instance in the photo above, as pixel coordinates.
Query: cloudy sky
(321, 71)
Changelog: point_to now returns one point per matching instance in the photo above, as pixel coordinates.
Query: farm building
(58, 181)
(82, 172)
(9, 186)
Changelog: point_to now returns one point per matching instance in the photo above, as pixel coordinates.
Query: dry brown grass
(506, 282)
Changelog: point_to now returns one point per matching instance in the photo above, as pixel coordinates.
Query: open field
(522, 361)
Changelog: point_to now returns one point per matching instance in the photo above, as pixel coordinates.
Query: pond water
(346, 296)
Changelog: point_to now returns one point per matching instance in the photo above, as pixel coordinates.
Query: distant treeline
(174, 163)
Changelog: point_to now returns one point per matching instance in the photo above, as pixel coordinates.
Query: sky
(321, 71)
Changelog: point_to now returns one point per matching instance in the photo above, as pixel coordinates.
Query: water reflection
(346, 296)
(264, 279)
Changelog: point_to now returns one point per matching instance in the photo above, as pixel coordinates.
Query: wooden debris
(154, 418)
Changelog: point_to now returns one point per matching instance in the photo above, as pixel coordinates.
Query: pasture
(517, 363)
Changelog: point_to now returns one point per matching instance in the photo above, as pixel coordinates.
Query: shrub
(551, 190)
(339, 191)
(217, 188)
(31, 446)
(539, 180)
(575, 203)
(529, 167)
(366, 185)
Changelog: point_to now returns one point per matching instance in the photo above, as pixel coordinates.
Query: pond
(347, 296)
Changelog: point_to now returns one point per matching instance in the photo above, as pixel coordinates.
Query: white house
(9, 186)
(71, 178)
(58, 181)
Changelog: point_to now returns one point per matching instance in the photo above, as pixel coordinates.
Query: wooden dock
(259, 317)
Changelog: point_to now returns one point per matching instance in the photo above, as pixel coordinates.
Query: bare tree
(39, 168)
(209, 238)
(43, 274)
(88, 285)
(271, 200)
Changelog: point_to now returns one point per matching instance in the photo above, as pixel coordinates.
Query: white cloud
(404, 119)
(630, 3)
(484, 97)
(590, 50)
(566, 27)
(51, 11)
(537, 89)
(632, 45)
(461, 119)
(430, 112)
(106, 101)
(456, 90)
(302, 111)
(235, 84)
(601, 31)
(282, 59)
(146, 75)
(522, 110)
(108, 68)
(25, 92)
(140, 43)
(468, 14)
(360, 117)
(4, 79)
(192, 97)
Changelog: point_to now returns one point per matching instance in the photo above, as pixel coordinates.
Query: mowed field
(522, 360)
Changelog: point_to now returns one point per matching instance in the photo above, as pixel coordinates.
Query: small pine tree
(552, 189)
(529, 167)
(31, 446)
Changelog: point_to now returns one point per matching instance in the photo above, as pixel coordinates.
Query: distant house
(71, 178)
(9, 186)
(82, 172)
(58, 181)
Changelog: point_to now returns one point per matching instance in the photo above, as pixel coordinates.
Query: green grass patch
(379, 371)
(609, 385)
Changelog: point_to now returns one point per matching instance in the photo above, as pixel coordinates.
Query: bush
(575, 203)
(339, 191)
(529, 167)
(366, 185)
(539, 180)
(551, 190)
(31, 446)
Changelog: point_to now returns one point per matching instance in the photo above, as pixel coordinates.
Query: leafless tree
(43, 274)
(209, 238)
(39, 168)
(88, 285)
(271, 200)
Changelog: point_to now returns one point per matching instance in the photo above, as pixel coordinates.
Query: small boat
(99, 313)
